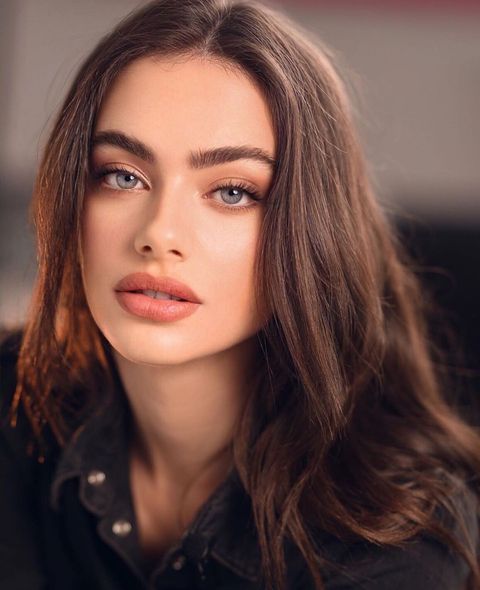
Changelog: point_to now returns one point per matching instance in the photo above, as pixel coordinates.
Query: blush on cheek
(101, 231)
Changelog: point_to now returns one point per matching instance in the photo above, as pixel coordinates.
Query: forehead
(177, 104)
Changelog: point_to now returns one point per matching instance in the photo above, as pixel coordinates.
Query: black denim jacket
(69, 524)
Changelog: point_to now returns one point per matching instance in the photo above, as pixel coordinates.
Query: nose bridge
(166, 220)
(168, 199)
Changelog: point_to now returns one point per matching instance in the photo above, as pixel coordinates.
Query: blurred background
(413, 69)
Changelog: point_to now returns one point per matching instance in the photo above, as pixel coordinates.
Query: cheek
(102, 231)
(228, 261)
(235, 252)
(101, 235)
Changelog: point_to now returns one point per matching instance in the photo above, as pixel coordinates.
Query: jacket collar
(224, 522)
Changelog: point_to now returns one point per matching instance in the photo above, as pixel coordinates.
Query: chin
(143, 355)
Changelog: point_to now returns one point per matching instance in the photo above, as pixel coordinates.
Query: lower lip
(160, 310)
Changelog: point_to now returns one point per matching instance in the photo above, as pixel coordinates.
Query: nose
(164, 229)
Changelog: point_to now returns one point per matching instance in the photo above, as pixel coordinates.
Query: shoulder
(13, 440)
(20, 562)
(424, 562)
(10, 341)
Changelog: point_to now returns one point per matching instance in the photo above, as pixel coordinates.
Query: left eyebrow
(198, 159)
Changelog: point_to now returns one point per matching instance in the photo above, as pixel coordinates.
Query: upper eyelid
(101, 171)
(106, 168)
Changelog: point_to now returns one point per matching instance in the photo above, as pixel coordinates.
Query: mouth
(155, 305)
(157, 288)
(157, 295)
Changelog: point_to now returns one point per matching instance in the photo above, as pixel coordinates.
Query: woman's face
(154, 206)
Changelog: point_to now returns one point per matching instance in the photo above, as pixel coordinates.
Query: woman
(224, 379)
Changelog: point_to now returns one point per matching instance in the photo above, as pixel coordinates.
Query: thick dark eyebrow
(125, 142)
(198, 159)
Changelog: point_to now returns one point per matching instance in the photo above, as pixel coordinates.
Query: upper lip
(140, 281)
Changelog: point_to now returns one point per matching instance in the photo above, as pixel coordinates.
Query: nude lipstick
(162, 299)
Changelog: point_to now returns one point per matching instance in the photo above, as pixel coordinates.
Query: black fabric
(57, 529)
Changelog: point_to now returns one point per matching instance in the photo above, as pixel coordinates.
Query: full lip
(140, 281)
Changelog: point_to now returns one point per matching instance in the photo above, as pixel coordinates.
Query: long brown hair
(346, 430)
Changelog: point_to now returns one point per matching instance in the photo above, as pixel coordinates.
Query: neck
(184, 415)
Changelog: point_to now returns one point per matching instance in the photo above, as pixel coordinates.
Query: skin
(185, 380)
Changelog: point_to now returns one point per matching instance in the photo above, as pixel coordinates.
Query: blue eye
(119, 179)
(125, 180)
(232, 193)
(231, 199)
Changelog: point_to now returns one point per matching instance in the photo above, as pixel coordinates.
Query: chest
(163, 513)
(157, 516)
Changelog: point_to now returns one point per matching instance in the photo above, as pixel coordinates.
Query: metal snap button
(178, 562)
(96, 477)
(121, 528)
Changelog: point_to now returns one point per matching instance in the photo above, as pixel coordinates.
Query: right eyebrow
(125, 142)
(198, 159)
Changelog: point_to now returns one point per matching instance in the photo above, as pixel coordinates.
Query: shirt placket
(100, 458)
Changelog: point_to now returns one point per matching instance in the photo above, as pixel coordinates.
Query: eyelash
(246, 188)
